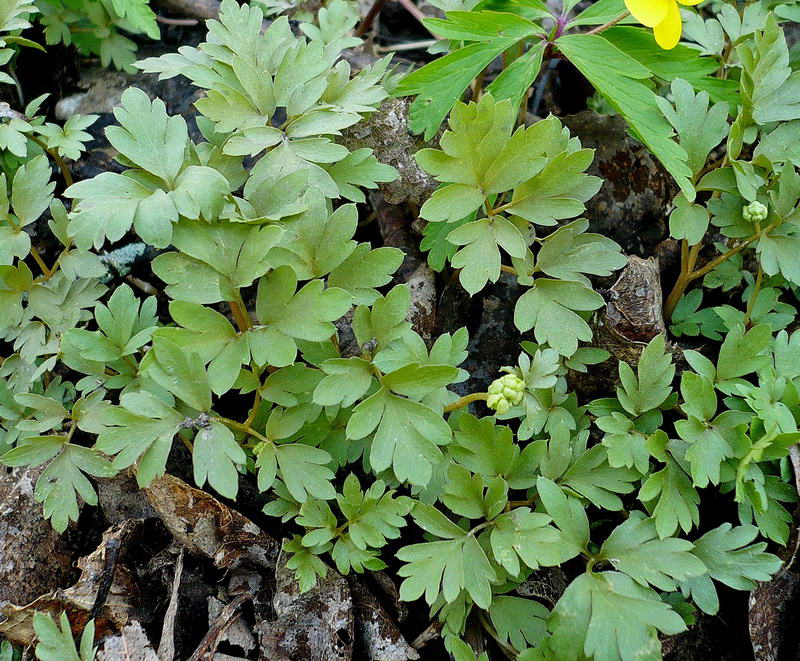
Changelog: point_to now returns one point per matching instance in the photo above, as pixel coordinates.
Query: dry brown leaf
(207, 527)
(118, 608)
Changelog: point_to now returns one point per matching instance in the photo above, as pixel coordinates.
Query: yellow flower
(663, 16)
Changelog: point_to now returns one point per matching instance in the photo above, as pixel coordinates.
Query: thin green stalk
(239, 312)
(689, 274)
(466, 399)
(505, 648)
(256, 403)
(52, 153)
(129, 362)
(46, 272)
(687, 263)
(753, 296)
(238, 426)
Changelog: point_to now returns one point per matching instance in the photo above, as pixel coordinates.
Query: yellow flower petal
(668, 32)
(690, 3)
(649, 12)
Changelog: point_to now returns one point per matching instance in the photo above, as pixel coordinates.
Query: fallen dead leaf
(79, 600)
(207, 527)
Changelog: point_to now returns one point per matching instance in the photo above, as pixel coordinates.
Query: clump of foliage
(98, 27)
(26, 135)
(358, 452)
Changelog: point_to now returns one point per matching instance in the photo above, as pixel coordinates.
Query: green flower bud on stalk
(505, 392)
(755, 212)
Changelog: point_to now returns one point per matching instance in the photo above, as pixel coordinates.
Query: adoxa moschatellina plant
(357, 452)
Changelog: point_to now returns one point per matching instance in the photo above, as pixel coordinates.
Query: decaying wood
(772, 618)
(377, 636)
(34, 558)
(547, 583)
(431, 632)
(636, 190)
(396, 231)
(130, 644)
(237, 632)
(120, 498)
(632, 316)
(772, 606)
(199, 9)
(386, 132)
(208, 646)
(313, 626)
(166, 646)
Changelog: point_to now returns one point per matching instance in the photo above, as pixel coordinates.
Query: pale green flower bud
(505, 392)
(498, 403)
(258, 447)
(755, 212)
(512, 381)
(496, 387)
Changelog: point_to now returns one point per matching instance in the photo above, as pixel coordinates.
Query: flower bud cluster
(505, 392)
(755, 212)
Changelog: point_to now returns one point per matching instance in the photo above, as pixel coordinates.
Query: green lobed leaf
(285, 314)
(608, 615)
(550, 308)
(567, 513)
(741, 352)
(670, 495)
(520, 622)
(616, 76)
(634, 548)
(32, 190)
(652, 383)
(732, 559)
(770, 90)
(140, 430)
(439, 84)
(55, 642)
(179, 371)
(593, 477)
(446, 568)
(526, 536)
(216, 457)
(407, 435)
